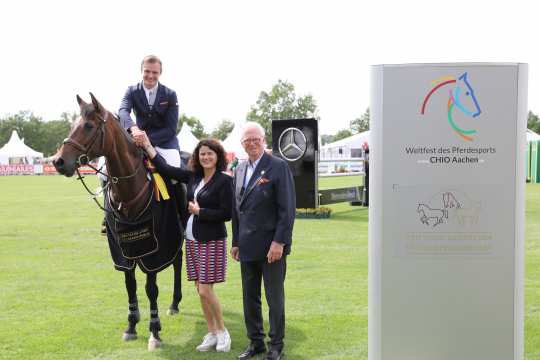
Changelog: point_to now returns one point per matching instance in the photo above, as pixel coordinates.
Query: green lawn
(61, 298)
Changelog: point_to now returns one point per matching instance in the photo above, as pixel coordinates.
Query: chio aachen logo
(292, 144)
(461, 96)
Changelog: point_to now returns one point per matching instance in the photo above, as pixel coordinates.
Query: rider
(156, 113)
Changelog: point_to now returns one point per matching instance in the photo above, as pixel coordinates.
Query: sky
(219, 55)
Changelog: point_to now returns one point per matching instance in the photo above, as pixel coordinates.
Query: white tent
(186, 139)
(16, 148)
(532, 136)
(232, 143)
(347, 148)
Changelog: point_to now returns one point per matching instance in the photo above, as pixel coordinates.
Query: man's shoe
(209, 342)
(251, 351)
(223, 341)
(274, 354)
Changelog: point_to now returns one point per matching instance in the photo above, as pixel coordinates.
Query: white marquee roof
(232, 143)
(186, 139)
(16, 147)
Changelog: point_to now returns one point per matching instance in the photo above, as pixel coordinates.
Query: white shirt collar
(147, 91)
(256, 162)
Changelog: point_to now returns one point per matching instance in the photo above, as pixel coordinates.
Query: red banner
(20, 169)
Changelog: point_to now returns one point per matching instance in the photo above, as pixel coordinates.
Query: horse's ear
(96, 103)
(80, 101)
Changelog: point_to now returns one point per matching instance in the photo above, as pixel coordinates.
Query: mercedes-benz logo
(292, 144)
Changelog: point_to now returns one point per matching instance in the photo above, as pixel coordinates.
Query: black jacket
(265, 210)
(214, 199)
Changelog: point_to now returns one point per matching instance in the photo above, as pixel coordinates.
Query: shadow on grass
(234, 321)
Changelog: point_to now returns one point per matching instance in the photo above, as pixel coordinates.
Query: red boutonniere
(262, 181)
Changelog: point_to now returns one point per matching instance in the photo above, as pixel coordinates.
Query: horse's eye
(88, 126)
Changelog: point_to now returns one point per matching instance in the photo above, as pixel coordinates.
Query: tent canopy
(16, 148)
(342, 148)
(232, 143)
(186, 139)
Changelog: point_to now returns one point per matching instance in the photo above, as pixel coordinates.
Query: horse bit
(83, 159)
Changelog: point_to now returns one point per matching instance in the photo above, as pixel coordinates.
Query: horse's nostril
(58, 162)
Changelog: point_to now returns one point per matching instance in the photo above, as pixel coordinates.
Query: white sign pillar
(446, 221)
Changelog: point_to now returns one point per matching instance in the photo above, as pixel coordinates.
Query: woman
(210, 196)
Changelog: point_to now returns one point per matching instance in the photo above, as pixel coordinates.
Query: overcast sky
(219, 55)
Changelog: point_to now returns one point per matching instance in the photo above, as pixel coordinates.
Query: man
(262, 222)
(156, 111)
(156, 114)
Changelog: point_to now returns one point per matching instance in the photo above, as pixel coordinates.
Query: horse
(462, 97)
(129, 193)
(427, 214)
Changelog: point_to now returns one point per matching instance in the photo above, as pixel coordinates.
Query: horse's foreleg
(133, 314)
(177, 294)
(152, 292)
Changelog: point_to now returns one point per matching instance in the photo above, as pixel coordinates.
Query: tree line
(281, 102)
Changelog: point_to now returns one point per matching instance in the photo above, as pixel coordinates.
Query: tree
(281, 103)
(43, 136)
(223, 129)
(342, 134)
(325, 139)
(360, 124)
(533, 122)
(197, 128)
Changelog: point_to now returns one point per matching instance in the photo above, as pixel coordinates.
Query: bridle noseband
(84, 159)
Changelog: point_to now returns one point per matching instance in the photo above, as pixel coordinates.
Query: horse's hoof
(173, 311)
(129, 336)
(153, 343)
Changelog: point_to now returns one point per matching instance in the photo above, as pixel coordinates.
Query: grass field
(60, 297)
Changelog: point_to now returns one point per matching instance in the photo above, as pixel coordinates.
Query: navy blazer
(160, 122)
(214, 199)
(264, 211)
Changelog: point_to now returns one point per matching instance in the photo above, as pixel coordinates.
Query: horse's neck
(124, 162)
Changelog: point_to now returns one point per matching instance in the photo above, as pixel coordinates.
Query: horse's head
(464, 98)
(86, 139)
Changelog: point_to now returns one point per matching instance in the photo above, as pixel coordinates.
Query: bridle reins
(84, 159)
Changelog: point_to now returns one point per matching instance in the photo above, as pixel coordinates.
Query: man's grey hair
(252, 124)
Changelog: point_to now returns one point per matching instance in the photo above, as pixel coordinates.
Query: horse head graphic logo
(461, 96)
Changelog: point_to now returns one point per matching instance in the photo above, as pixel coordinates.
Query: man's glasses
(251, 140)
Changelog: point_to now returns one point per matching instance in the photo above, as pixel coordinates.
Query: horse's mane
(89, 110)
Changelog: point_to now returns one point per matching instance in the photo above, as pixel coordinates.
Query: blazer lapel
(261, 169)
(205, 186)
(142, 96)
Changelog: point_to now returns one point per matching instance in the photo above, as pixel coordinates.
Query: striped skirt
(206, 262)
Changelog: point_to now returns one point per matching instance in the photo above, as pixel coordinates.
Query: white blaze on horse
(140, 230)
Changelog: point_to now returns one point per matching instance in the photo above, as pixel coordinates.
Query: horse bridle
(83, 159)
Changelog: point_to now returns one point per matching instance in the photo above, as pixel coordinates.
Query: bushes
(313, 213)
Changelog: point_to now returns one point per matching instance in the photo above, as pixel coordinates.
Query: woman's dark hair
(216, 147)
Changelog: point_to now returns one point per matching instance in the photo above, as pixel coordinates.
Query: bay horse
(129, 192)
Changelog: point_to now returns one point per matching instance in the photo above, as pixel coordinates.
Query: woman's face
(207, 157)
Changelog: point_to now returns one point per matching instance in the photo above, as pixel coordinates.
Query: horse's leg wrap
(155, 323)
(152, 291)
(133, 314)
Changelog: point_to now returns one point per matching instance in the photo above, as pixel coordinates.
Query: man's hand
(235, 253)
(275, 252)
(138, 135)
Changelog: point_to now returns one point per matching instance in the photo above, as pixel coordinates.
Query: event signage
(447, 211)
(296, 142)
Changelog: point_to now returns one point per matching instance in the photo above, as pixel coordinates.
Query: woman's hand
(193, 207)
